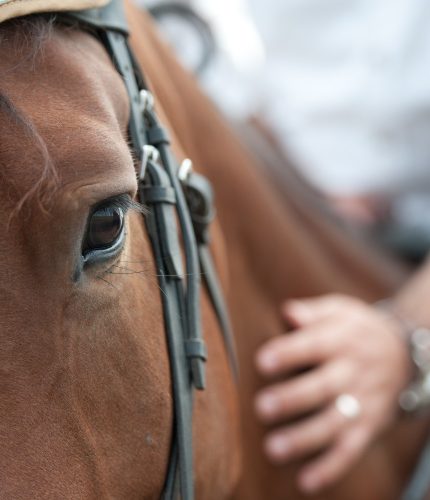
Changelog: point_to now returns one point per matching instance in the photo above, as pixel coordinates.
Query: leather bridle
(172, 194)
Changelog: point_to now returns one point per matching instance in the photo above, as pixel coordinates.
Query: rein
(172, 194)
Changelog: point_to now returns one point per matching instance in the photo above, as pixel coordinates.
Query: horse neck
(289, 252)
(270, 248)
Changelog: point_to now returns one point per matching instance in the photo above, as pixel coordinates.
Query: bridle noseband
(172, 194)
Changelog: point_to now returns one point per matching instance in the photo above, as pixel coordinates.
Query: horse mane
(28, 36)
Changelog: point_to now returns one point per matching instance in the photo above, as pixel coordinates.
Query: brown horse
(86, 409)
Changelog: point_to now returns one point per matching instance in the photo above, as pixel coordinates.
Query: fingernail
(267, 360)
(309, 483)
(277, 447)
(267, 404)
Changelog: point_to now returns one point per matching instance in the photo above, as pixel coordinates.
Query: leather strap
(217, 298)
(161, 225)
(192, 309)
(119, 51)
(200, 199)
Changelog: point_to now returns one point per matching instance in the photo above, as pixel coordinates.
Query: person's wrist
(414, 397)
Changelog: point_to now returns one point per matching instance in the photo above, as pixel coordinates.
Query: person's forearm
(412, 302)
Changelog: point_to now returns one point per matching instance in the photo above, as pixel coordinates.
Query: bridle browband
(172, 194)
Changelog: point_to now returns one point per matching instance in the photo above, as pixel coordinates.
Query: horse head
(86, 405)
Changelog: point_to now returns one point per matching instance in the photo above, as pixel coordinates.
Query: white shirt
(344, 84)
(347, 86)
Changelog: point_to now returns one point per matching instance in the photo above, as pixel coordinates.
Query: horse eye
(105, 226)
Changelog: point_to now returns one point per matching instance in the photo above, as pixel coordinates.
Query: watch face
(188, 34)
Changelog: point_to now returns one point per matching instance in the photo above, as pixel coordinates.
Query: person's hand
(351, 349)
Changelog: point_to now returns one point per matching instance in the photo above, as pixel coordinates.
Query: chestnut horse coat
(275, 248)
(267, 248)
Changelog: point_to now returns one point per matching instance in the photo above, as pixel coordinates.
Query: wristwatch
(416, 397)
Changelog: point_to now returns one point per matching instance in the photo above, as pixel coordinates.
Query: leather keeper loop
(196, 349)
(158, 194)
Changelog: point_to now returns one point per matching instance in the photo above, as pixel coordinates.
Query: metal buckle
(146, 100)
(149, 153)
(185, 170)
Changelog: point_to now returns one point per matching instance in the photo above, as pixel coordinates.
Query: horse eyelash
(126, 203)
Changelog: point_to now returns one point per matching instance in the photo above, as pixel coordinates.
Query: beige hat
(17, 8)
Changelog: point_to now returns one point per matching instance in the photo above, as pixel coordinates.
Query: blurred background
(341, 88)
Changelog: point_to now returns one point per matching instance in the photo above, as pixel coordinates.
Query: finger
(301, 349)
(330, 467)
(304, 392)
(306, 311)
(306, 437)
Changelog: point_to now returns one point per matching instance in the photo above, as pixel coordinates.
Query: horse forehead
(71, 78)
(74, 97)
